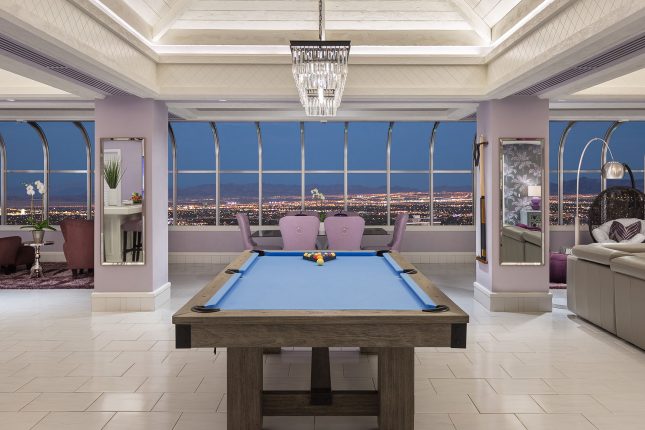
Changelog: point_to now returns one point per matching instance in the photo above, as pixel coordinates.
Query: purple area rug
(56, 276)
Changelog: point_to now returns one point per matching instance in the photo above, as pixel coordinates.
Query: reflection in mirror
(522, 193)
(122, 172)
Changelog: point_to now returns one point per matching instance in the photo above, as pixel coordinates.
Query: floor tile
(53, 385)
(20, 420)
(486, 422)
(346, 423)
(569, 403)
(198, 402)
(429, 402)
(622, 402)
(433, 422)
(505, 404)
(201, 421)
(107, 384)
(617, 421)
(15, 401)
(63, 402)
(520, 386)
(130, 402)
(555, 422)
(10, 384)
(464, 386)
(74, 421)
(143, 421)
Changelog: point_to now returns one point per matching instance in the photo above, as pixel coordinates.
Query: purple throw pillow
(619, 232)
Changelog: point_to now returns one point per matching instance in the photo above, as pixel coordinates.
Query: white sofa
(606, 285)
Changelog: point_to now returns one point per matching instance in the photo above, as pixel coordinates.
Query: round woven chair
(614, 203)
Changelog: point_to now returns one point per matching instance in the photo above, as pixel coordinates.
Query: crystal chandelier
(320, 71)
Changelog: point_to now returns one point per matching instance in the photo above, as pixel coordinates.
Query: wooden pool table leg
(396, 388)
(244, 388)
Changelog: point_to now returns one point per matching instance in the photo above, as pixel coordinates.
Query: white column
(511, 288)
(146, 287)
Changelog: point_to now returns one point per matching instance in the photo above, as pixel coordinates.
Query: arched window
(452, 181)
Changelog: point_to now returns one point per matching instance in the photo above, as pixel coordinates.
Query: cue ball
(320, 261)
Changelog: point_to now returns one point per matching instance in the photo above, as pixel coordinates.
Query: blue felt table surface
(353, 281)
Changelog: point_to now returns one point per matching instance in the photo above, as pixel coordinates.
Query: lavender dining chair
(399, 229)
(341, 214)
(245, 229)
(302, 213)
(299, 233)
(344, 233)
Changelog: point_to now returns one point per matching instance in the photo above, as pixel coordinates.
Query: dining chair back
(399, 230)
(302, 213)
(344, 233)
(299, 233)
(341, 214)
(245, 229)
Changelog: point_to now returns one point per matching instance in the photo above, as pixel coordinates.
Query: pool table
(268, 299)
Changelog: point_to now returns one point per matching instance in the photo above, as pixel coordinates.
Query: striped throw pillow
(619, 232)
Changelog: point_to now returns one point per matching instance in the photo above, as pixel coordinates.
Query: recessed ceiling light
(222, 100)
(11, 100)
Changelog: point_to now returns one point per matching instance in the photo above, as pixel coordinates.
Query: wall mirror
(122, 201)
(522, 201)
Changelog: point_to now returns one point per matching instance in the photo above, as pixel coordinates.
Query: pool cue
(479, 159)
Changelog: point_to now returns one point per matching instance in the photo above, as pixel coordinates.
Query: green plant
(113, 173)
(38, 225)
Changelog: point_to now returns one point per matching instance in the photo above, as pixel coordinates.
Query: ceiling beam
(166, 21)
(478, 24)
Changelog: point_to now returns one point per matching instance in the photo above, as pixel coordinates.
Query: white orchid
(30, 190)
(40, 186)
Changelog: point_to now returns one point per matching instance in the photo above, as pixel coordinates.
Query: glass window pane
(366, 148)
(366, 194)
(553, 198)
(280, 145)
(324, 145)
(409, 193)
(238, 145)
(67, 196)
(89, 127)
(331, 186)
(453, 199)
(453, 148)
(556, 128)
(171, 220)
(589, 189)
(581, 133)
(195, 199)
(238, 193)
(627, 144)
(18, 202)
(411, 146)
(280, 193)
(195, 146)
(24, 147)
(67, 148)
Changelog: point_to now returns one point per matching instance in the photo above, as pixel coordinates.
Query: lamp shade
(613, 170)
(534, 191)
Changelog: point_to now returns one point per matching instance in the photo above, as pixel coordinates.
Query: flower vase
(321, 229)
(38, 235)
(113, 197)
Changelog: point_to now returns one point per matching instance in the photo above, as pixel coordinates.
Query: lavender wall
(512, 117)
(129, 116)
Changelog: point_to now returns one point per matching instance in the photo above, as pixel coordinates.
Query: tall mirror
(522, 201)
(122, 201)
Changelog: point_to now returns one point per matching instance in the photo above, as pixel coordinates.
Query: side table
(36, 269)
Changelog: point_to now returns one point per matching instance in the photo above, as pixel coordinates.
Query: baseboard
(513, 301)
(130, 301)
(227, 257)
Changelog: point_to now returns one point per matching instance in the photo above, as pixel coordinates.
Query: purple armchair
(344, 233)
(399, 230)
(13, 254)
(245, 229)
(79, 244)
(299, 233)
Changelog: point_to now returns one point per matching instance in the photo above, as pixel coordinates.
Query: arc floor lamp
(610, 170)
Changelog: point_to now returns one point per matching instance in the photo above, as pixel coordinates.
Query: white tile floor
(62, 367)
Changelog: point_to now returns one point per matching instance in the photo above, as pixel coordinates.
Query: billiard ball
(320, 261)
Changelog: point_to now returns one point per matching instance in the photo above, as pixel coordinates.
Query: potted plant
(36, 226)
(113, 175)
